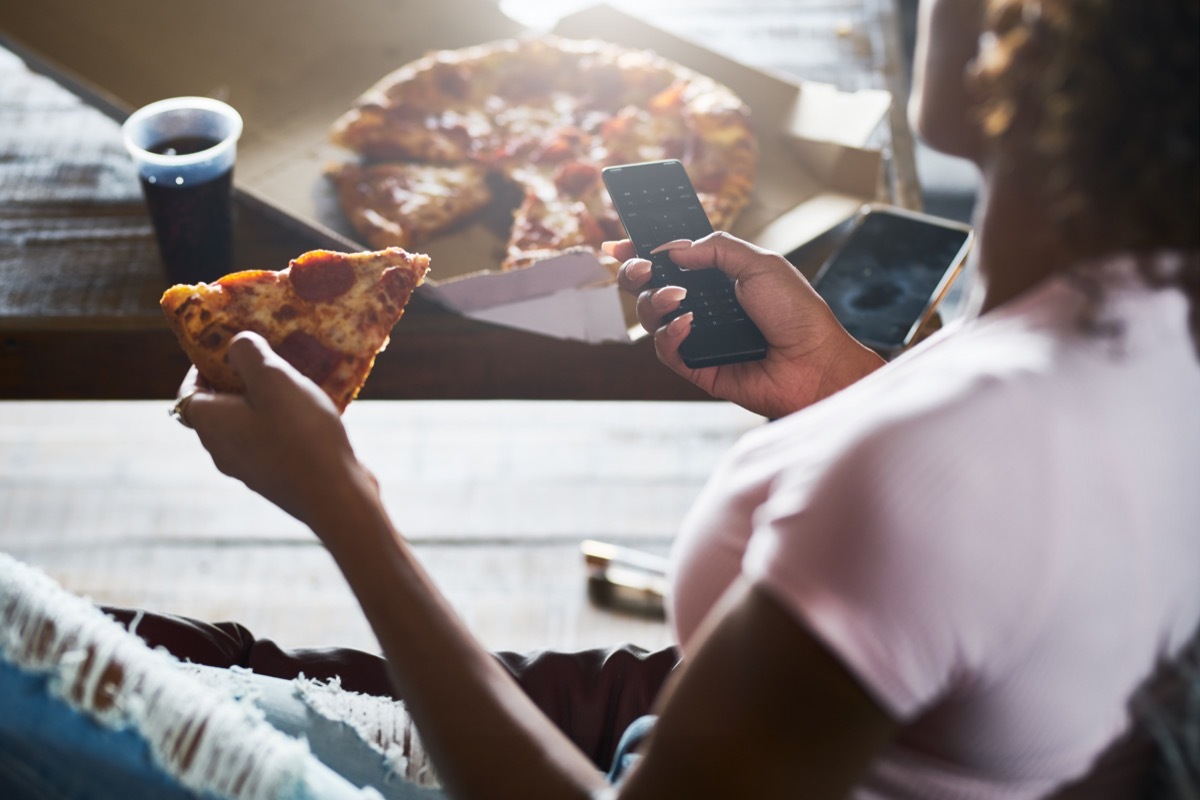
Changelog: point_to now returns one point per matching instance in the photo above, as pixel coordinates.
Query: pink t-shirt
(998, 533)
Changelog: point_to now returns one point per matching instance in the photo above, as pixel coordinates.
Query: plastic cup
(185, 149)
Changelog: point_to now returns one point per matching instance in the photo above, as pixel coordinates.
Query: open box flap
(568, 271)
(588, 314)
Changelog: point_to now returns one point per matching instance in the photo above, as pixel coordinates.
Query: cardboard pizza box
(291, 67)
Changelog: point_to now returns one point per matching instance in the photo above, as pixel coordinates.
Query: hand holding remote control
(810, 355)
(657, 204)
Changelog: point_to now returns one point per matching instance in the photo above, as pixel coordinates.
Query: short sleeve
(891, 559)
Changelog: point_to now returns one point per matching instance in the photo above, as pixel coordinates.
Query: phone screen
(882, 282)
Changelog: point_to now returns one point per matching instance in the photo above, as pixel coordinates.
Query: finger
(674, 244)
(256, 363)
(248, 352)
(667, 340)
(633, 275)
(648, 318)
(738, 259)
(224, 422)
(192, 383)
(655, 304)
(667, 299)
(272, 382)
(205, 410)
(621, 249)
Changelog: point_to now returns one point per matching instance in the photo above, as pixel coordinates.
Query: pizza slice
(437, 135)
(563, 210)
(402, 204)
(328, 314)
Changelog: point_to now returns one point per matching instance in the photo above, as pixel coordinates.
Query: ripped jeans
(48, 751)
(368, 740)
(89, 712)
(51, 751)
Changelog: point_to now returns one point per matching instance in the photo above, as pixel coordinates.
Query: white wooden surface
(121, 504)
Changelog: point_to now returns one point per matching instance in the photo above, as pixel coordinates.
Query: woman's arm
(759, 705)
(284, 440)
(809, 354)
(485, 736)
(761, 709)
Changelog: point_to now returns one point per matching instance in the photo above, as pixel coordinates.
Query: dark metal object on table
(625, 579)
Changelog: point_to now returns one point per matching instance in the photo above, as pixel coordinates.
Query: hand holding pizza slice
(328, 314)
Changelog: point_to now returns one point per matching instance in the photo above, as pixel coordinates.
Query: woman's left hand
(283, 438)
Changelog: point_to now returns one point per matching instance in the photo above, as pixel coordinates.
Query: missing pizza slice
(398, 205)
(328, 314)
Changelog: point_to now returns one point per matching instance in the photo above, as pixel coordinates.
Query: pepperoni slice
(398, 285)
(453, 80)
(576, 177)
(320, 280)
(590, 227)
(313, 359)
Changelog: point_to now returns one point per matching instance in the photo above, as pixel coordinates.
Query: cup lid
(178, 116)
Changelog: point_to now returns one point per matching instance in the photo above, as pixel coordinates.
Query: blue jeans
(626, 755)
(50, 751)
(344, 750)
(88, 712)
(334, 742)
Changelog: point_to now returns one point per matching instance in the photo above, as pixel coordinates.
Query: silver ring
(179, 410)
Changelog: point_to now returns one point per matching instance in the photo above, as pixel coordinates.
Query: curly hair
(1101, 100)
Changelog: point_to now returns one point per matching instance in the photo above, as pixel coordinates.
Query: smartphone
(656, 203)
(888, 276)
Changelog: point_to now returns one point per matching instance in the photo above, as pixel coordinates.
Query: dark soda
(193, 221)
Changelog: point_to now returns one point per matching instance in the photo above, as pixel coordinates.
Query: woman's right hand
(283, 437)
(809, 354)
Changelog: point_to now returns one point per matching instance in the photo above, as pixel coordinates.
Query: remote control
(657, 204)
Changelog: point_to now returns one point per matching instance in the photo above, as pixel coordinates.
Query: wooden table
(122, 505)
(79, 274)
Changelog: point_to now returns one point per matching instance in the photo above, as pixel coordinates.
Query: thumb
(251, 357)
(738, 259)
(269, 378)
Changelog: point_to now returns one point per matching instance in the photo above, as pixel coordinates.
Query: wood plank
(120, 503)
(78, 472)
(512, 598)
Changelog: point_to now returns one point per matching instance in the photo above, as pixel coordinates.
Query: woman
(945, 576)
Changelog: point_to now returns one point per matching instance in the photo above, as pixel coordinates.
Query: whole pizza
(530, 122)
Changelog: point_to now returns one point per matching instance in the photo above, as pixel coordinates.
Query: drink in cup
(184, 149)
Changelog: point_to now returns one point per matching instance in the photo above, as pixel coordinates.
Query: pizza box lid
(293, 66)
